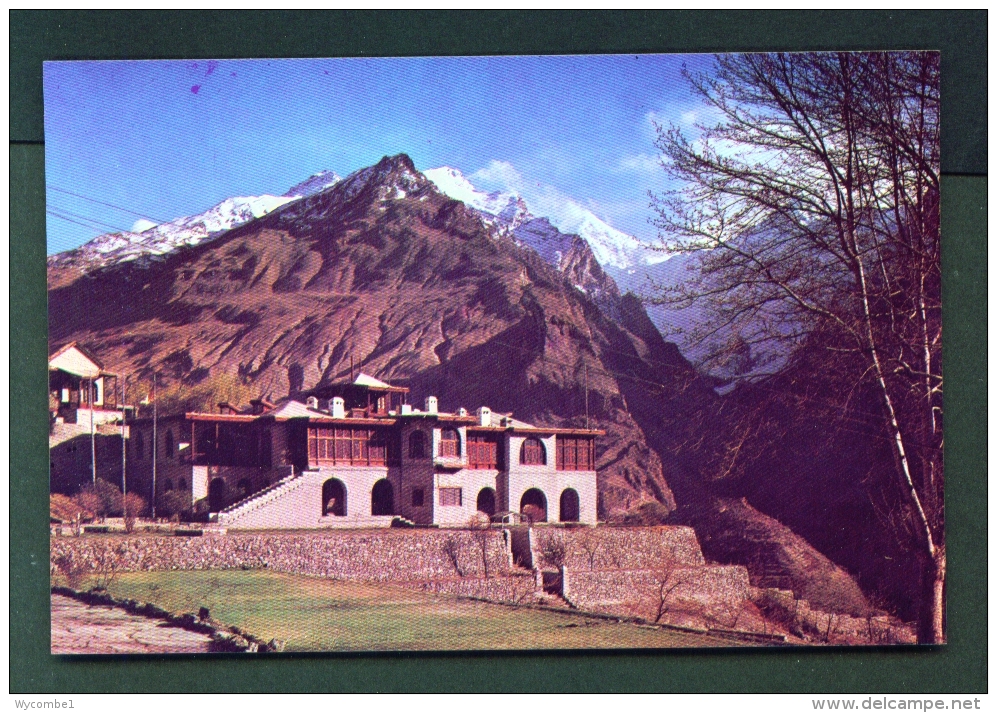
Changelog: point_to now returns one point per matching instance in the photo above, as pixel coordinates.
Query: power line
(90, 220)
(70, 220)
(109, 205)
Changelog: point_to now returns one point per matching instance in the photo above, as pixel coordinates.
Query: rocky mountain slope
(385, 269)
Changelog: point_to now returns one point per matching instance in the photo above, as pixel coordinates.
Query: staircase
(258, 499)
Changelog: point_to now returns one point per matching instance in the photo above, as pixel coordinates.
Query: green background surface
(961, 665)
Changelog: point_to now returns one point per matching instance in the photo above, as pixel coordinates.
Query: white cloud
(501, 175)
(141, 225)
(640, 163)
(689, 117)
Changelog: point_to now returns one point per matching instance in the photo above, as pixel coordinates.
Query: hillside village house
(355, 454)
(80, 389)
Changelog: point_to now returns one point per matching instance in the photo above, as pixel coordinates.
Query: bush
(62, 508)
(534, 513)
(101, 498)
(90, 502)
(133, 506)
(173, 504)
(553, 551)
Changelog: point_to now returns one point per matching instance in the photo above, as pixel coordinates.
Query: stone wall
(516, 588)
(709, 588)
(384, 555)
(604, 548)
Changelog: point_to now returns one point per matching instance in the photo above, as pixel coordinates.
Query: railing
(260, 493)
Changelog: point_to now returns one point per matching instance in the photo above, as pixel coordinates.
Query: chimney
(462, 411)
(484, 416)
(432, 405)
(337, 407)
(406, 409)
(312, 403)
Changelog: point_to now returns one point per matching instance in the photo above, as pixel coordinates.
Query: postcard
(477, 353)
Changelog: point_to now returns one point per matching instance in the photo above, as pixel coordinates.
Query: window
(417, 445)
(418, 497)
(575, 453)
(482, 451)
(346, 446)
(449, 443)
(65, 396)
(451, 497)
(533, 452)
(169, 443)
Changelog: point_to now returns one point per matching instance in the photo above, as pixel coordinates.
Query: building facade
(355, 454)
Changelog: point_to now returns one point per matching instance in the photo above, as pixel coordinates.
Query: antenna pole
(586, 396)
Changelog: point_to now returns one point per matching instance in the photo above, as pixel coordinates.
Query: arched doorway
(533, 505)
(570, 507)
(216, 494)
(486, 501)
(334, 497)
(382, 498)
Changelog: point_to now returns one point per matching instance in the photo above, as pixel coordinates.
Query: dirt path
(79, 628)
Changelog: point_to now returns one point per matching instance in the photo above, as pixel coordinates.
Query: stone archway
(334, 497)
(486, 501)
(382, 498)
(570, 510)
(533, 505)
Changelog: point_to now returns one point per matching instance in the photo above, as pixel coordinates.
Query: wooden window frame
(575, 453)
(447, 493)
(528, 450)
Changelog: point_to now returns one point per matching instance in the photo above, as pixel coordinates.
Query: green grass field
(313, 614)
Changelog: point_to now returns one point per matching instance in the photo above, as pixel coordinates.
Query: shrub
(553, 551)
(89, 502)
(62, 508)
(173, 504)
(133, 505)
(534, 513)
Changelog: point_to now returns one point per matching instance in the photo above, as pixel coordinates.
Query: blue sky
(170, 138)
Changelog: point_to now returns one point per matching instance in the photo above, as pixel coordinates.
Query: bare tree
(811, 207)
(480, 526)
(591, 541)
(453, 548)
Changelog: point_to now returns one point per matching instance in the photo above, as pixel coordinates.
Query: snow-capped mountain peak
(508, 207)
(612, 247)
(313, 184)
(158, 240)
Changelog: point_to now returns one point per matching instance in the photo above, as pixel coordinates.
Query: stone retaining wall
(513, 589)
(711, 588)
(391, 555)
(604, 548)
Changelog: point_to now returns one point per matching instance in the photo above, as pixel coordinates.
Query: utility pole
(93, 438)
(155, 443)
(124, 452)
